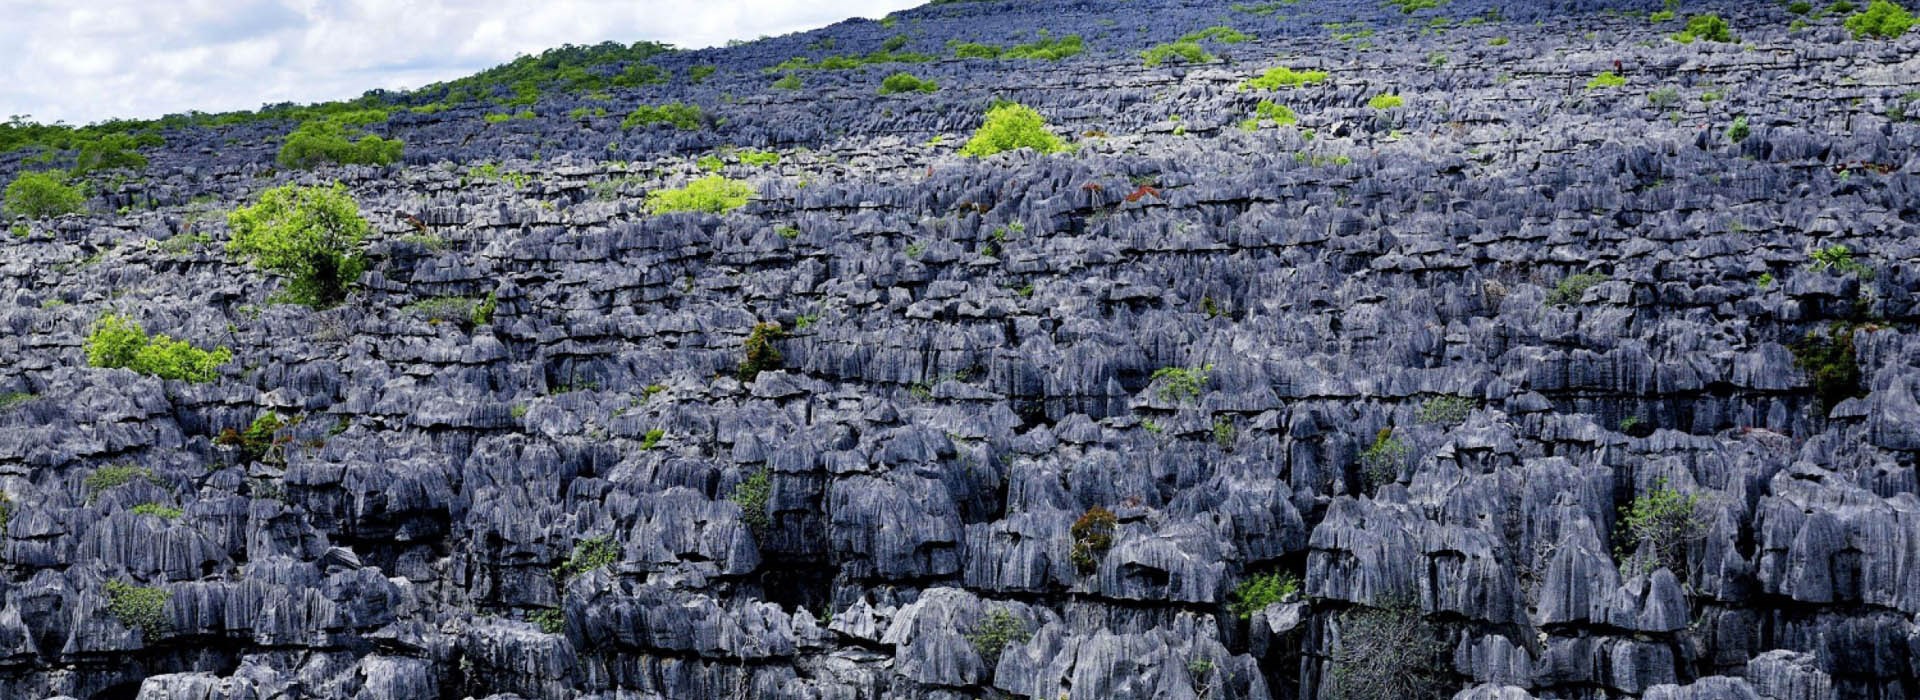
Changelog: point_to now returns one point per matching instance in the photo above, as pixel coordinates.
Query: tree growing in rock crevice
(311, 234)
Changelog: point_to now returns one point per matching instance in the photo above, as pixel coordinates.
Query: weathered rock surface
(970, 367)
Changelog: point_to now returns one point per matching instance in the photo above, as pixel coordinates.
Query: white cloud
(86, 60)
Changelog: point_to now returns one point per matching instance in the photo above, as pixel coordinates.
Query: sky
(81, 61)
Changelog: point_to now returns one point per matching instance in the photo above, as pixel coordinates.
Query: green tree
(311, 234)
(1010, 126)
(43, 194)
(339, 139)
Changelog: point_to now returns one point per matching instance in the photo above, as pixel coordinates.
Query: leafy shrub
(1709, 27)
(43, 194)
(138, 607)
(1284, 77)
(549, 620)
(791, 82)
(260, 442)
(652, 438)
(752, 495)
(1186, 51)
(1181, 383)
(1881, 20)
(1412, 6)
(758, 159)
(312, 234)
(1386, 102)
(158, 510)
(483, 311)
(1830, 363)
(906, 82)
(1386, 653)
(117, 341)
(109, 152)
(1222, 34)
(1046, 48)
(1445, 410)
(1092, 536)
(999, 629)
(760, 352)
(1010, 126)
(1839, 258)
(588, 554)
(712, 194)
(1739, 131)
(1800, 7)
(1608, 79)
(1572, 287)
(1257, 592)
(114, 476)
(340, 140)
(1663, 98)
(1280, 114)
(1667, 522)
(439, 310)
(968, 49)
(1224, 433)
(681, 116)
(1380, 462)
(699, 74)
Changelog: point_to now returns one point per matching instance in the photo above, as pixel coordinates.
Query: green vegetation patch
(339, 139)
(1011, 126)
(139, 607)
(678, 115)
(713, 194)
(1881, 20)
(906, 82)
(1261, 590)
(117, 341)
(1284, 77)
(753, 495)
(1184, 51)
(311, 234)
(588, 554)
(40, 195)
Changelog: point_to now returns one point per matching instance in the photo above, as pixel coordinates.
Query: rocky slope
(1392, 391)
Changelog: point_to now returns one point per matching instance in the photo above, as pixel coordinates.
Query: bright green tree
(311, 234)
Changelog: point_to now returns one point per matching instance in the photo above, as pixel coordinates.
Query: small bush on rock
(1259, 591)
(1709, 27)
(311, 234)
(1092, 537)
(339, 140)
(43, 194)
(713, 194)
(752, 496)
(760, 353)
(119, 342)
(1445, 410)
(906, 82)
(114, 476)
(588, 554)
(138, 607)
(677, 115)
(999, 629)
(1380, 462)
(1185, 51)
(1881, 20)
(1386, 653)
(1386, 102)
(1667, 522)
(1572, 287)
(1284, 77)
(1011, 126)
